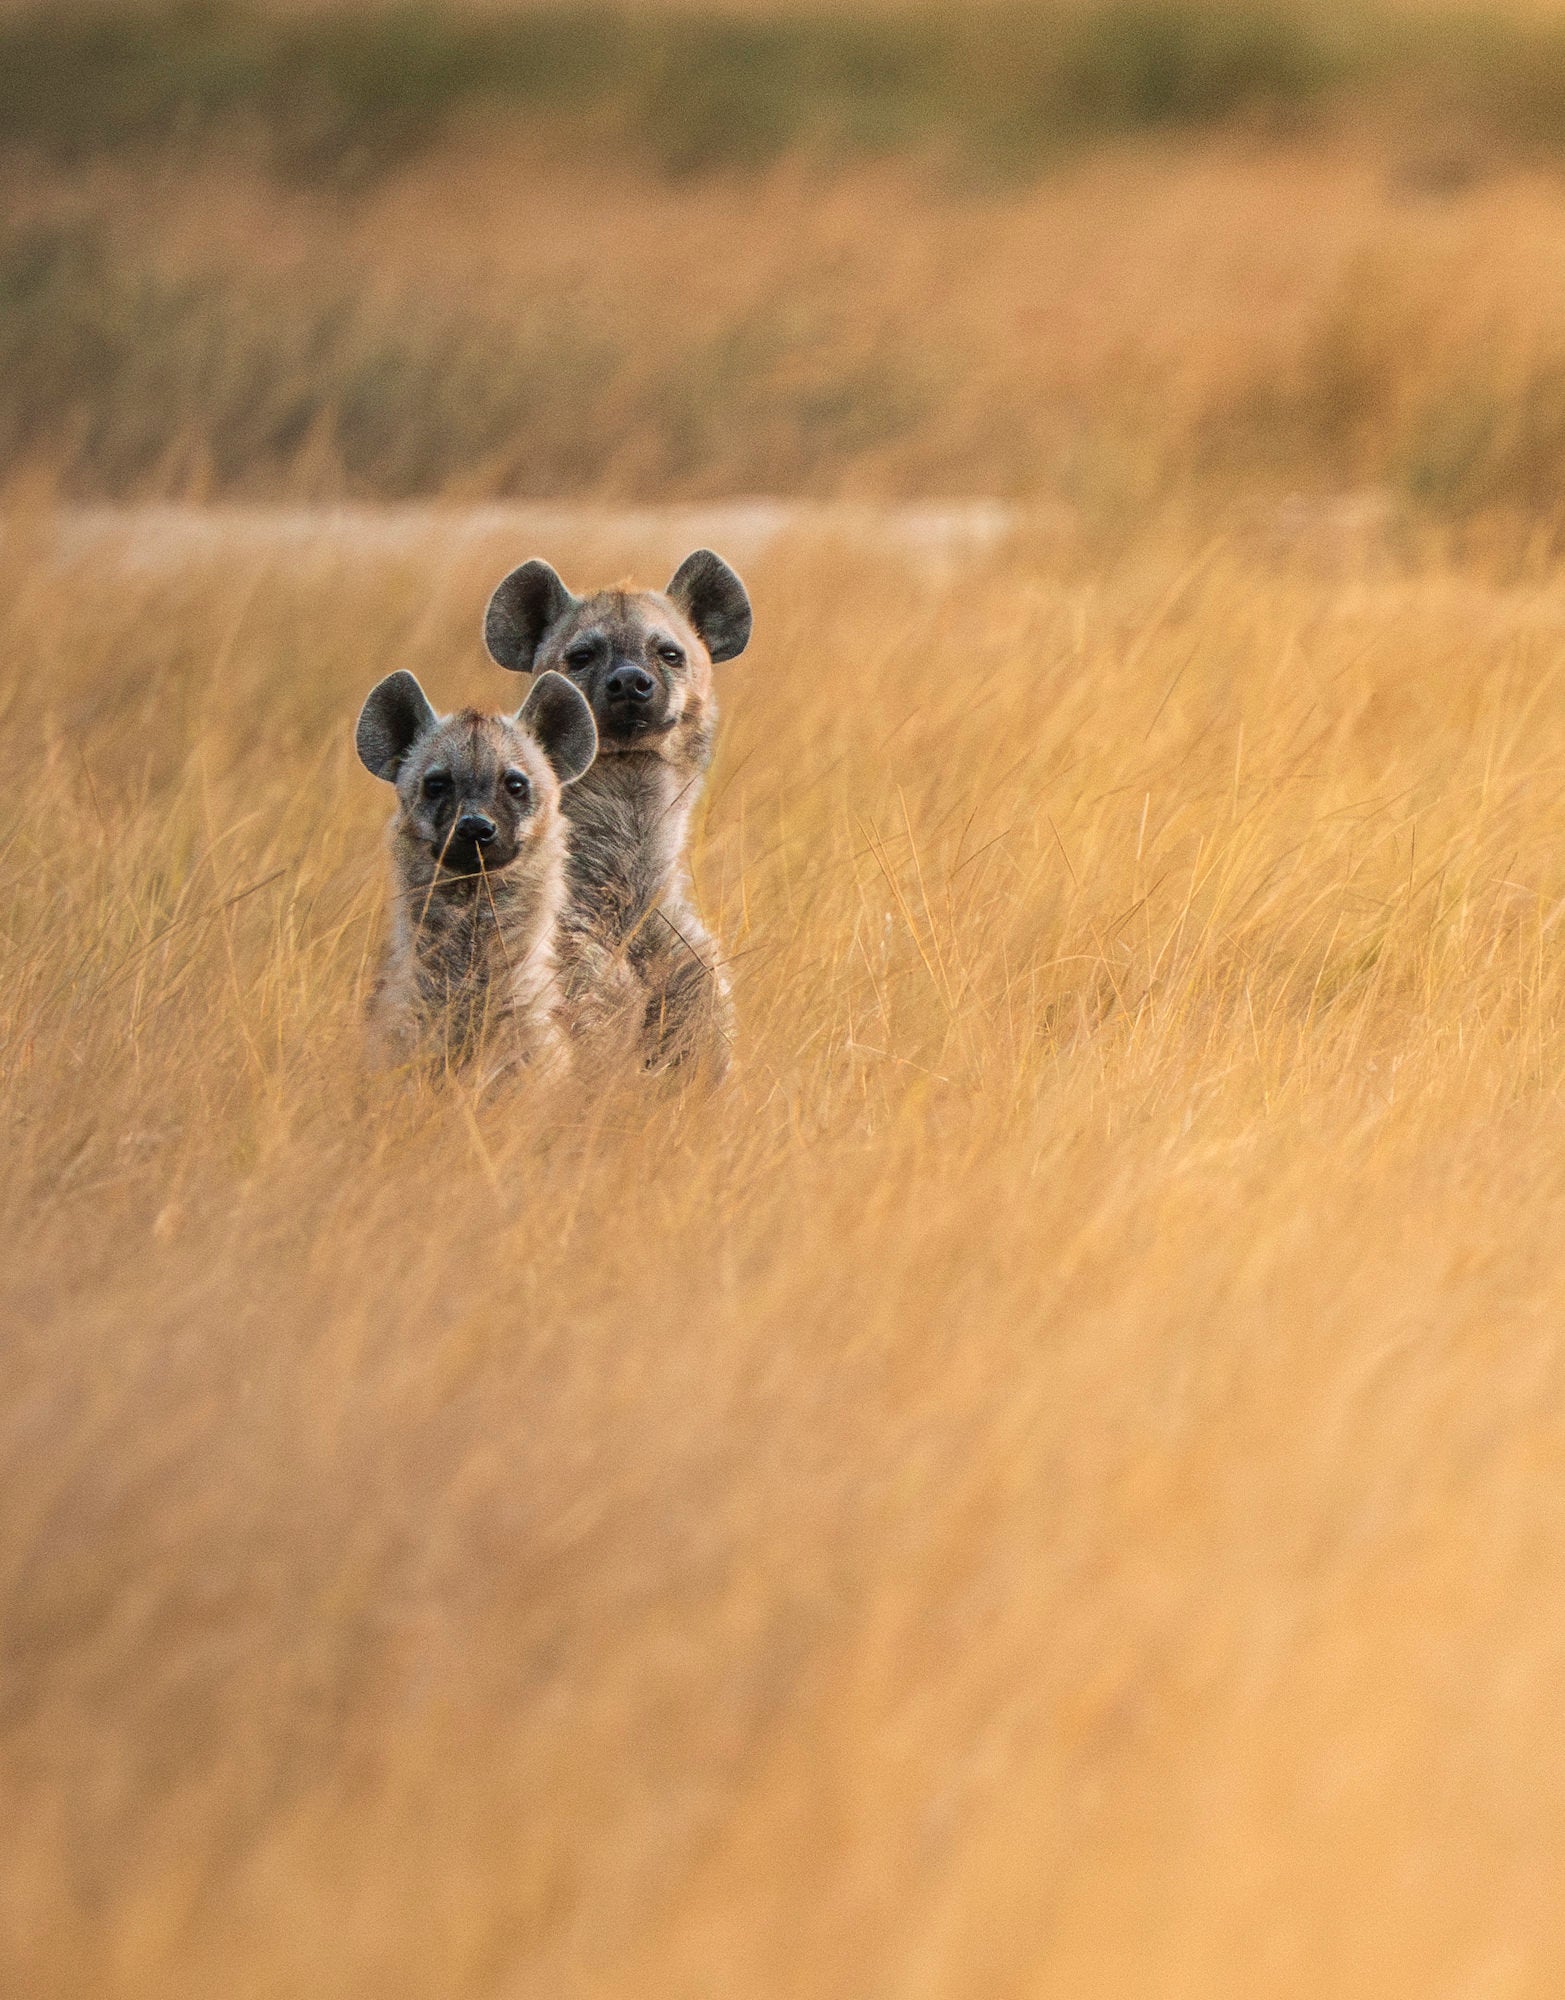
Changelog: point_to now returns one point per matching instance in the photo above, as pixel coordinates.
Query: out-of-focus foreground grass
(1049, 1485)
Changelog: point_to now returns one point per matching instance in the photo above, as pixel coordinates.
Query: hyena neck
(630, 819)
(482, 947)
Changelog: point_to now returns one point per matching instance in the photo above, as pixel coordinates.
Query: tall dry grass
(497, 320)
(1049, 1485)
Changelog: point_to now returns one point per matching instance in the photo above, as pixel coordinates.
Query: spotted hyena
(478, 848)
(637, 962)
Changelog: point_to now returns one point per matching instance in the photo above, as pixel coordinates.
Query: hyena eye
(580, 656)
(516, 785)
(672, 653)
(436, 784)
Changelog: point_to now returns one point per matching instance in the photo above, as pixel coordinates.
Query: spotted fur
(640, 968)
(471, 974)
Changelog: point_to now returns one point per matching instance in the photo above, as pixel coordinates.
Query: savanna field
(1045, 1484)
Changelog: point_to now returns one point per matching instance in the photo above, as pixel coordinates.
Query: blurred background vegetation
(1081, 251)
(349, 91)
(1006, 88)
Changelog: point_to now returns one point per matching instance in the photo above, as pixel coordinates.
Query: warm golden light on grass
(498, 320)
(1048, 1485)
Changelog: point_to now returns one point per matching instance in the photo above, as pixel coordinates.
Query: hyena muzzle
(478, 848)
(637, 961)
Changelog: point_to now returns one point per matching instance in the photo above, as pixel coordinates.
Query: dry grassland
(494, 320)
(1049, 1486)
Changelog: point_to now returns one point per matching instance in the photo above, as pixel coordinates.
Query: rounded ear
(715, 602)
(393, 718)
(524, 606)
(559, 718)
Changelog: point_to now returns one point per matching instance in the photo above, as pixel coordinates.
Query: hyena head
(476, 794)
(643, 658)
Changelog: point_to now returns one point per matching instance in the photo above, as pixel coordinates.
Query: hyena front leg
(689, 1013)
(391, 1017)
(604, 1000)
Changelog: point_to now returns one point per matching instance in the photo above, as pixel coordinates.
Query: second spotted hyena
(478, 853)
(636, 959)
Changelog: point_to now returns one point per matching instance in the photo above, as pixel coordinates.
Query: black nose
(476, 828)
(629, 684)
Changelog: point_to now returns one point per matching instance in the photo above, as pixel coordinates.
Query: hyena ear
(524, 606)
(558, 716)
(715, 602)
(391, 721)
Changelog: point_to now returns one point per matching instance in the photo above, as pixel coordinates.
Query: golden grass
(497, 321)
(1049, 1485)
